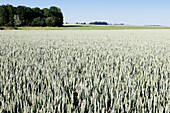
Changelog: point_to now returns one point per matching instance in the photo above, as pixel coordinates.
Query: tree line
(98, 23)
(26, 16)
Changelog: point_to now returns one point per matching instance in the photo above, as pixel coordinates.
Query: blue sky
(132, 12)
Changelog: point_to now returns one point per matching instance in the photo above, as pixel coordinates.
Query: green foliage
(20, 11)
(1, 21)
(56, 12)
(46, 12)
(38, 22)
(26, 16)
(37, 12)
(3, 15)
(52, 21)
(11, 15)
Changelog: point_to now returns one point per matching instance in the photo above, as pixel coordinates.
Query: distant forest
(26, 16)
(98, 23)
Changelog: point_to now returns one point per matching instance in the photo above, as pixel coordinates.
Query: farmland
(87, 27)
(85, 71)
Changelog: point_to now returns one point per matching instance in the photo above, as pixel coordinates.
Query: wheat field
(121, 71)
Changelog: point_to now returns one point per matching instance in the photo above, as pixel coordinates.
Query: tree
(26, 16)
(52, 21)
(11, 15)
(56, 12)
(61, 20)
(37, 12)
(38, 22)
(99, 23)
(17, 21)
(46, 12)
(3, 15)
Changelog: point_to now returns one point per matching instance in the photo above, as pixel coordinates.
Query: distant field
(85, 27)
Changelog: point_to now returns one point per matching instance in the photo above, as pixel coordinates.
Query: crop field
(122, 71)
(87, 27)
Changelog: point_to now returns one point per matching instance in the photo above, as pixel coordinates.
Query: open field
(85, 27)
(85, 71)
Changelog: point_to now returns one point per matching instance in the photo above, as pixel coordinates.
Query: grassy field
(85, 27)
(119, 71)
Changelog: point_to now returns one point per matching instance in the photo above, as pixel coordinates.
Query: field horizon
(87, 27)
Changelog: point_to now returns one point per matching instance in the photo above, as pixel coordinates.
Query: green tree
(46, 12)
(20, 11)
(38, 22)
(52, 21)
(37, 12)
(56, 12)
(60, 16)
(3, 15)
(26, 16)
(11, 15)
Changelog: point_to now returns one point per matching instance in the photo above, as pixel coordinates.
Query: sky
(130, 12)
